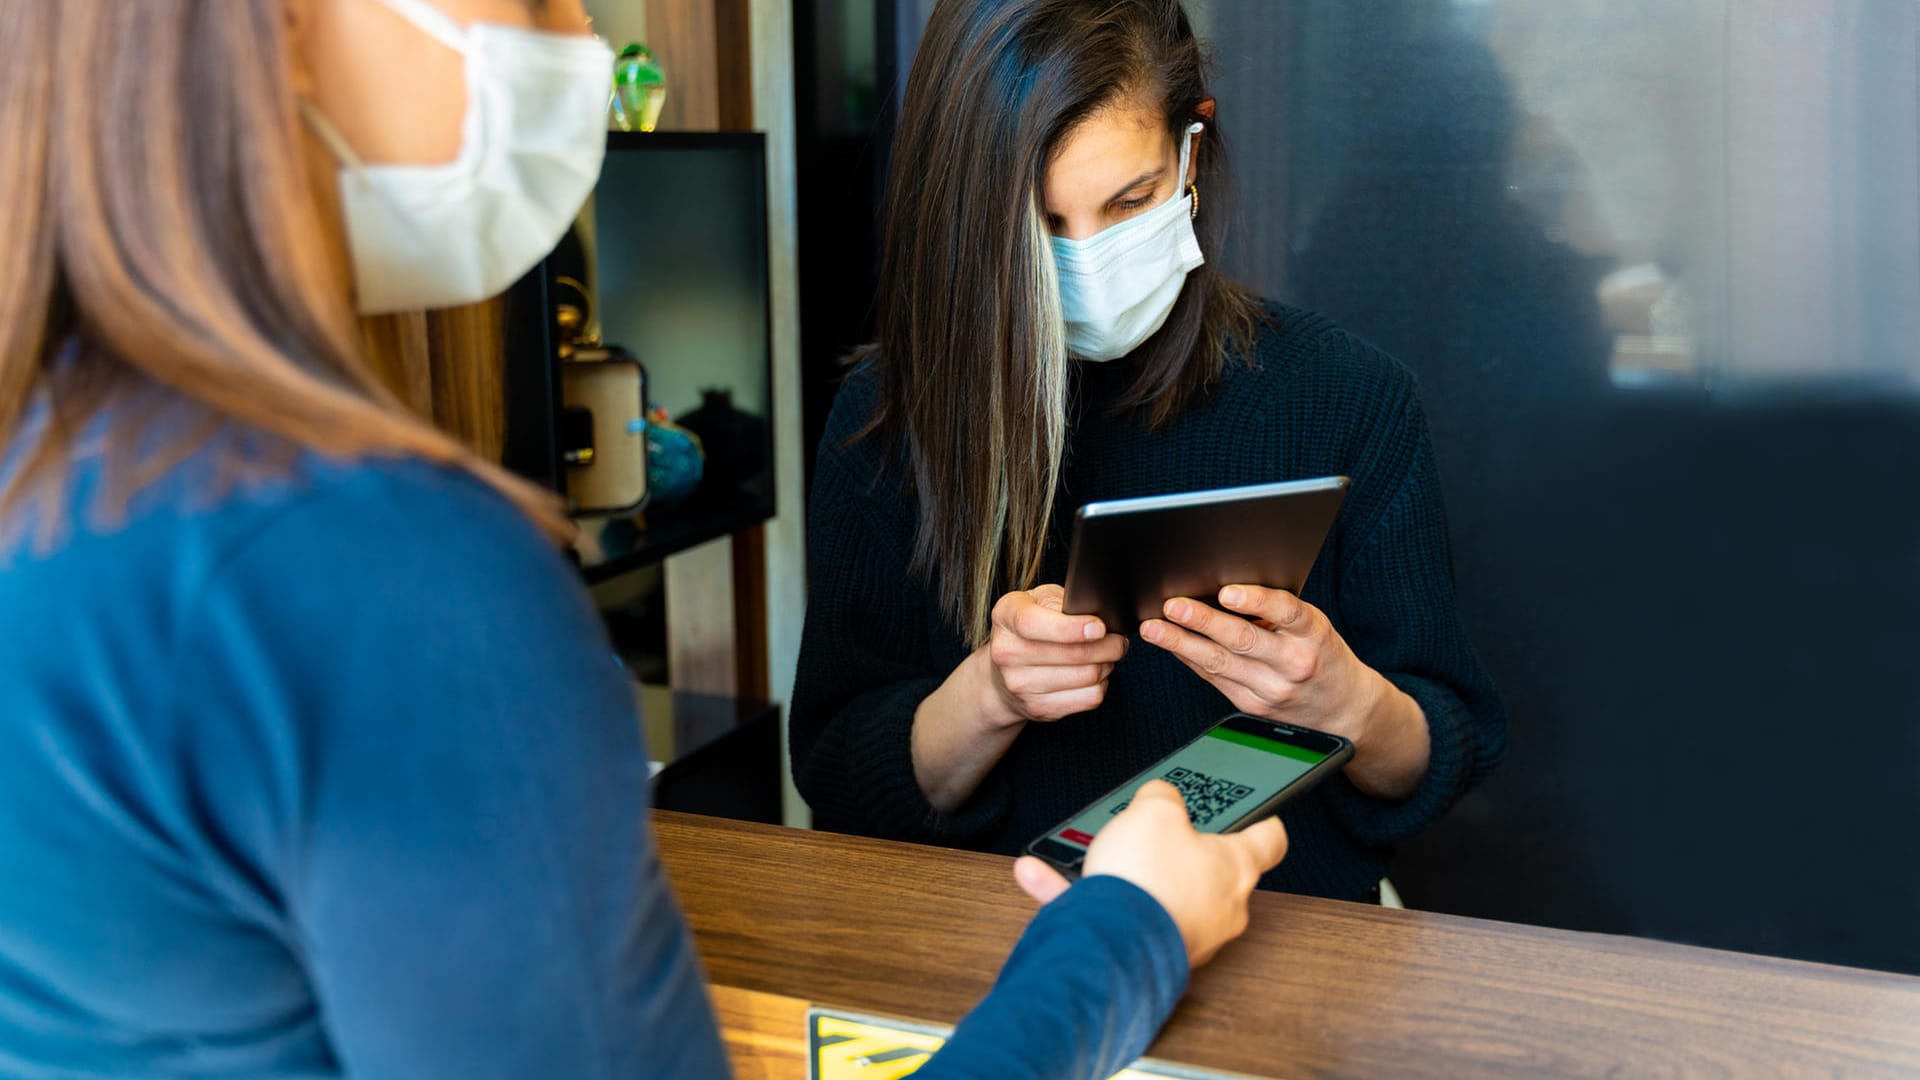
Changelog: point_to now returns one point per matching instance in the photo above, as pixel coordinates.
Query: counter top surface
(1314, 988)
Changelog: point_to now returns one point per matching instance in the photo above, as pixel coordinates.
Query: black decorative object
(735, 441)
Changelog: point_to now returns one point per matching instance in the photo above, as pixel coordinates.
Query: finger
(1279, 658)
(1054, 598)
(1066, 703)
(1023, 616)
(1243, 698)
(1014, 651)
(1265, 842)
(1038, 880)
(1160, 796)
(1054, 680)
(1234, 633)
(1280, 610)
(1212, 660)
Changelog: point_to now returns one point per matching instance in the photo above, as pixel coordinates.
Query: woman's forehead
(1105, 151)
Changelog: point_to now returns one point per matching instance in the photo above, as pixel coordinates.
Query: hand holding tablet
(1213, 577)
(1046, 664)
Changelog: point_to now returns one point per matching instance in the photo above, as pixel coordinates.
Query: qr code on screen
(1207, 796)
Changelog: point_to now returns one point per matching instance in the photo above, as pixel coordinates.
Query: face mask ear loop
(330, 137)
(335, 143)
(1186, 148)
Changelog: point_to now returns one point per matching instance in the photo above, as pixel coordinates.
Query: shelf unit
(675, 249)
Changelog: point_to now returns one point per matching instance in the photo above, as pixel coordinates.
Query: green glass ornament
(639, 90)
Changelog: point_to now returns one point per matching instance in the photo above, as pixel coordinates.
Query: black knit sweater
(1316, 402)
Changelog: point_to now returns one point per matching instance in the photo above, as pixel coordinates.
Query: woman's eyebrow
(1153, 174)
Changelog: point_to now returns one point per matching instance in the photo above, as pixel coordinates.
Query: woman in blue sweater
(1053, 331)
(314, 759)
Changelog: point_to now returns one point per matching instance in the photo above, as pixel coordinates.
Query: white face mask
(531, 147)
(1118, 286)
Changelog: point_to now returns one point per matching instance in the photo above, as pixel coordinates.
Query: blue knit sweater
(336, 776)
(1315, 401)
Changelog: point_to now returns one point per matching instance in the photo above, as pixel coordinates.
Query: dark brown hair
(164, 235)
(970, 351)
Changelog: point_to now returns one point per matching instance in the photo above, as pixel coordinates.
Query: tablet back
(1131, 556)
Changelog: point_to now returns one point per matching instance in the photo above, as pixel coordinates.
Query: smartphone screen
(1229, 772)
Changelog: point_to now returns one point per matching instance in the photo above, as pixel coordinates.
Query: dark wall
(1669, 358)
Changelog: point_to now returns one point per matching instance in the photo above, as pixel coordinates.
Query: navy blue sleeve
(427, 755)
(1087, 988)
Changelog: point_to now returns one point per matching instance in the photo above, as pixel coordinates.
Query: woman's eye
(1130, 205)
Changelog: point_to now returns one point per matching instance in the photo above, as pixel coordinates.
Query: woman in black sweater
(1052, 333)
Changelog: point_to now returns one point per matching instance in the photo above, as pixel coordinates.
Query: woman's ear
(298, 16)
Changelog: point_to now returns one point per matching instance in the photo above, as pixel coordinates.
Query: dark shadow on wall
(1702, 608)
(1419, 245)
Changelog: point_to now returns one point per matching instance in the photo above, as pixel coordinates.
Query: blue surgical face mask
(1118, 286)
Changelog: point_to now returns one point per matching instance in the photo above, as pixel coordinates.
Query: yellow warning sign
(852, 1046)
(846, 1047)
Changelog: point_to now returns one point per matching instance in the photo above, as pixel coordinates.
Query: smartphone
(1237, 772)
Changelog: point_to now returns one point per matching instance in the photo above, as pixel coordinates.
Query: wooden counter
(785, 918)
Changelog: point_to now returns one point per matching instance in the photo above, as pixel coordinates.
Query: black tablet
(1131, 556)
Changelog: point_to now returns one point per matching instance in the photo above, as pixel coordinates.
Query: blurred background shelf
(688, 264)
(624, 546)
(722, 754)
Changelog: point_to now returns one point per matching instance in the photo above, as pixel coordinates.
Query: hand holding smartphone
(1234, 774)
(1202, 881)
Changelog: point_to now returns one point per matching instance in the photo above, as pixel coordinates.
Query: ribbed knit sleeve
(867, 655)
(1397, 610)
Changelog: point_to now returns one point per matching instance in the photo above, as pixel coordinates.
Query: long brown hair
(167, 236)
(970, 351)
